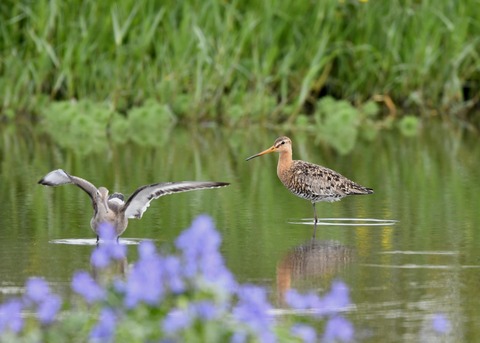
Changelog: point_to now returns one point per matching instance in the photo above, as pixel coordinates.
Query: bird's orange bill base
(269, 150)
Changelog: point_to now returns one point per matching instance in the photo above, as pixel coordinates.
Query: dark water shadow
(310, 263)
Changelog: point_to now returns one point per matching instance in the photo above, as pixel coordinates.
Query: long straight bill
(269, 150)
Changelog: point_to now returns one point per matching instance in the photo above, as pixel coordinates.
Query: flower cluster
(39, 298)
(440, 323)
(109, 250)
(177, 297)
(338, 328)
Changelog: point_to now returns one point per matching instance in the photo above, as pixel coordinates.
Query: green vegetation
(87, 127)
(239, 62)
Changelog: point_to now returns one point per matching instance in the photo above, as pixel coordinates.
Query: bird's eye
(283, 142)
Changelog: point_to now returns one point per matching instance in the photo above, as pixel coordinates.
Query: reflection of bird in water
(312, 260)
(105, 275)
(310, 181)
(112, 208)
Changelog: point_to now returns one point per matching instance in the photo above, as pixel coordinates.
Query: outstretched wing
(139, 201)
(60, 177)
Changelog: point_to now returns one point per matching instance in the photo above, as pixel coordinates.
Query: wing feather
(60, 177)
(139, 201)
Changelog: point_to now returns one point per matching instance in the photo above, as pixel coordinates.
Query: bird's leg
(315, 214)
(98, 238)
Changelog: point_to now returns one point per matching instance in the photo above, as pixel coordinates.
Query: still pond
(400, 276)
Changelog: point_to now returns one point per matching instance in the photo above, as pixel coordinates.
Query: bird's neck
(101, 208)
(284, 162)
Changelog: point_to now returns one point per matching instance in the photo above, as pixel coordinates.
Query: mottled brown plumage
(310, 181)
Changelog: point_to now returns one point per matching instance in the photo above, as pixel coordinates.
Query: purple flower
(252, 309)
(47, 310)
(146, 250)
(200, 248)
(213, 269)
(117, 251)
(109, 248)
(197, 243)
(173, 269)
(145, 281)
(338, 329)
(176, 320)
(305, 332)
(334, 301)
(302, 301)
(440, 323)
(37, 289)
(119, 286)
(105, 328)
(10, 316)
(338, 297)
(104, 253)
(239, 337)
(47, 304)
(203, 230)
(85, 285)
(100, 258)
(205, 310)
(106, 232)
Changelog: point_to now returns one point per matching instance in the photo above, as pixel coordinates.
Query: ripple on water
(412, 252)
(345, 221)
(421, 266)
(93, 241)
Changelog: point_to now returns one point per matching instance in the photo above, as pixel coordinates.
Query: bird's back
(317, 183)
(114, 216)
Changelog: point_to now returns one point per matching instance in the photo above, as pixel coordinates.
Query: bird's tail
(356, 189)
(360, 190)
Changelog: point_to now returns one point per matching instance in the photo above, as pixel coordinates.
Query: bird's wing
(325, 182)
(60, 177)
(318, 181)
(139, 201)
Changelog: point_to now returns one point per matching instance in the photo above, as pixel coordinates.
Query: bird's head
(282, 144)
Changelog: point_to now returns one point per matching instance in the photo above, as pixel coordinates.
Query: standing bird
(310, 181)
(112, 209)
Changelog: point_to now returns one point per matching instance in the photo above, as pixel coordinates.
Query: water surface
(400, 275)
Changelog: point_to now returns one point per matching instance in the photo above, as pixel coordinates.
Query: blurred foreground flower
(87, 287)
(253, 309)
(338, 329)
(105, 328)
(108, 249)
(176, 320)
(10, 316)
(200, 247)
(440, 323)
(48, 304)
(334, 301)
(145, 281)
(305, 332)
(36, 289)
(190, 295)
